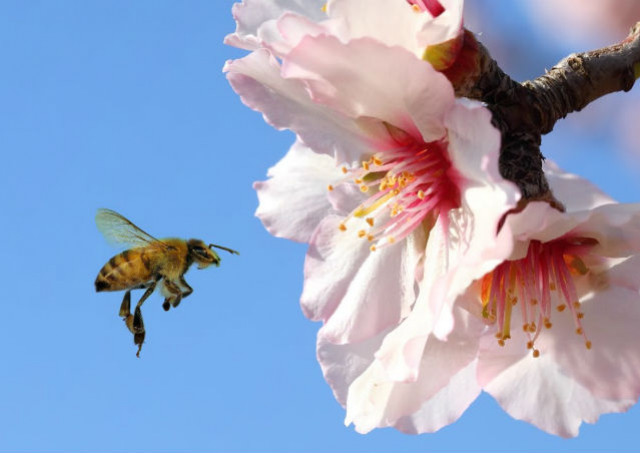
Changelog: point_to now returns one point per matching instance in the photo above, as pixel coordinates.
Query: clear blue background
(122, 104)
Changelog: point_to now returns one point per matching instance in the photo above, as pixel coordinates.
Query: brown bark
(523, 112)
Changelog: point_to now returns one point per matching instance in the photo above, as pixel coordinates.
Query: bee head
(204, 254)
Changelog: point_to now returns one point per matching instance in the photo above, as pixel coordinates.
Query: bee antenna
(227, 249)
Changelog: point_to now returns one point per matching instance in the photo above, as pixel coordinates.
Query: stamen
(408, 184)
(549, 267)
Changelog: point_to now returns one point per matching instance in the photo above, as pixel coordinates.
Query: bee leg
(174, 298)
(147, 293)
(188, 289)
(139, 332)
(125, 308)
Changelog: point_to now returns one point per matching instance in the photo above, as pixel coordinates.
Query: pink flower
(279, 25)
(385, 157)
(550, 332)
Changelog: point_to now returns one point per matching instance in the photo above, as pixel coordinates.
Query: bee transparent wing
(118, 230)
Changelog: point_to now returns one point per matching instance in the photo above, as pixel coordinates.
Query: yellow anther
(561, 307)
(391, 240)
(342, 227)
(324, 8)
(358, 181)
(534, 301)
(532, 327)
(529, 344)
(364, 188)
(580, 315)
(576, 305)
(421, 194)
(415, 8)
(501, 342)
(525, 327)
(579, 331)
(362, 233)
(588, 344)
(344, 170)
(372, 248)
(377, 161)
(552, 286)
(365, 165)
(370, 237)
(536, 353)
(498, 335)
(330, 187)
(369, 221)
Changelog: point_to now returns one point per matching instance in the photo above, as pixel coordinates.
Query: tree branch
(524, 112)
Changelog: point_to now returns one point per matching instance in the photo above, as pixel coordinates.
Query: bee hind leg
(125, 307)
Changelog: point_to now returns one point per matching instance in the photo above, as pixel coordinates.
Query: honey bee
(151, 262)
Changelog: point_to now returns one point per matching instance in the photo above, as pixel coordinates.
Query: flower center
(541, 280)
(433, 6)
(407, 184)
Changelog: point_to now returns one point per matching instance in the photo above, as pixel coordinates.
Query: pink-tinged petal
(290, 30)
(611, 368)
(445, 26)
(393, 23)
(475, 246)
(342, 363)
(576, 192)
(286, 104)
(446, 406)
(375, 400)
(402, 349)
(364, 78)
(254, 17)
(356, 292)
(615, 226)
(295, 199)
(538, 391)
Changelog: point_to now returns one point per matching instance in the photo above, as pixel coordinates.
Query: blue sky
(123, 105)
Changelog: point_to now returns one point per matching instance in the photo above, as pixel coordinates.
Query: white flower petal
(356, 292)
(578, 193)
(537, 390)
(393, 23)
(286, 104)
(611, 369)
(342, 363)
(295, 198)
(446, 406)
(259, 16)
(376, 400)
(364, 78)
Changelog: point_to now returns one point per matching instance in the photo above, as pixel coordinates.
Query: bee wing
(118, 230)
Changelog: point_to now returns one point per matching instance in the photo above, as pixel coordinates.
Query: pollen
(342, 227)
(406, 184)
(542, 280)
(330, 188)
(372, 248)
(362, 233)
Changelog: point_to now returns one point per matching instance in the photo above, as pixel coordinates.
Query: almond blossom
(550, 332)
(389, 171)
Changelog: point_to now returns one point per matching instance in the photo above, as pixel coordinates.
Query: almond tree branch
(523, 112)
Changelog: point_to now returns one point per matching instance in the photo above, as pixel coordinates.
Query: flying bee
(151, 262)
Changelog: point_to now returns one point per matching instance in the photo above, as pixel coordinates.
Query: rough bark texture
(523, 112)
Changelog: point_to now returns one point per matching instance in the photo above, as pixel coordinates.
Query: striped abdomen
(126, 270)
